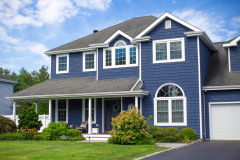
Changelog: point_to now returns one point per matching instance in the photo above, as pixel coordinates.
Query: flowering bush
(55, 130)
(129, 127)
(29, 134)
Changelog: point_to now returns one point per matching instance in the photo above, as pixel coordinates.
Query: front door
(112, 109)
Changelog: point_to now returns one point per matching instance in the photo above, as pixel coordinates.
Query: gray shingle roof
(217, 73)
(6, 79)
(78, 86)
(131, 27)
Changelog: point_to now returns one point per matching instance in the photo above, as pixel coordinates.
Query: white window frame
(84, 67)
(113, 49)
(83, 110)
(57, 63)
(168, 50)
(56, 111)
(169, 99)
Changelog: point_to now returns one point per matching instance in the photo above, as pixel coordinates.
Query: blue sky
(30, 27)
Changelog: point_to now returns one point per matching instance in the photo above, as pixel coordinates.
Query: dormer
(233, 49)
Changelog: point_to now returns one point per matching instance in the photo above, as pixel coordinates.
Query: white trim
(113, 49)
(50, 73)
(168, 41)
(56, 110)
(162, 18)
(141, 39)
(136, 102)
(57, 63)
(83, 111)
(199, 87)
(135, 84)
(110, 39)
(97, 64)
(8, 81)
(140, 61)
(99, 45)
(168, 24)
(229, 60)
(118, 42)
(84, 67)
(169, 99)
(82, 95)
(103, 116)
(14, 111)
(233, 43)
(50, 110)
(210, 113)
(71, 51)
(213, 88)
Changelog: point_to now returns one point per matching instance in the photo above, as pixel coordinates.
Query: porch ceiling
(81, 88)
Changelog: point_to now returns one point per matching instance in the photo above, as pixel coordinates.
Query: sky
(28, 28)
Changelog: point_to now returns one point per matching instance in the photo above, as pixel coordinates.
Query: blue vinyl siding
(184, 74)
(75, 111)
(75, 67)
(6, 89)
(218, 96)
(205, 54)
(127, 101)
(235, 58)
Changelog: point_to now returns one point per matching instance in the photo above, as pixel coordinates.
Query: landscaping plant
(29, 134)
(188, 134)
(29, 119)
(55, 130)
(129, 127)
(7, 125)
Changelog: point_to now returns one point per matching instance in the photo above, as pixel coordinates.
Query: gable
(119, 38)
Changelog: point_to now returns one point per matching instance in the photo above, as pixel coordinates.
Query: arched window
(170, 106)
(120, 44)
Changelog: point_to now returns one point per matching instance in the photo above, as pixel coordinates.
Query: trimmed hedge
(188, 134)
(11, 136)
(74, 133)
(7, 125)
(55, 130)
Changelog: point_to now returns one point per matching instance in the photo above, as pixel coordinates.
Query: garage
(224, 121)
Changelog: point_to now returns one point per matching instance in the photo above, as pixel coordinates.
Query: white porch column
(141, 105)
(50, 111)
(90, 116)
(36, 104)
(14, 111)
(136, 102)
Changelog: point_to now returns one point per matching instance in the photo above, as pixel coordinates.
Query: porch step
(96, 137)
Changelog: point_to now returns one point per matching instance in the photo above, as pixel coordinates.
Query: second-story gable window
(62, 63)
(121, 55)
(168, 50)
(89, 61)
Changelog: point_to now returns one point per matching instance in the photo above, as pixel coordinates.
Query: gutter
(216, 88)
(8, 81)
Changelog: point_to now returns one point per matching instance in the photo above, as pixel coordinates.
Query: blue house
(6, 89)
(165, 67)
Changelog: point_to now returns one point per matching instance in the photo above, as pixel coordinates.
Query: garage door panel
(225, 121)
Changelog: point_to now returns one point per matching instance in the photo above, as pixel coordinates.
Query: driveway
(206, 150)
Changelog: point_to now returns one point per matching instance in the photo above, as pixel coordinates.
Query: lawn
(72, 150)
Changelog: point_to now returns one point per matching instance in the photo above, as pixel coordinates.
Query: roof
(131, 27)
(232, 42)
(6, 79)
(218, 73)
(78, 87)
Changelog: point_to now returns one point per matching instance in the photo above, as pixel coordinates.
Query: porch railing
(44, 118)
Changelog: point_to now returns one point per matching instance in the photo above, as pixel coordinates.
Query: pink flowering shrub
(129, 127)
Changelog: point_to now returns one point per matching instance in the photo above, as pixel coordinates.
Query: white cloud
(235, 22)
(174, 1)
(213, 25)
(94, 4)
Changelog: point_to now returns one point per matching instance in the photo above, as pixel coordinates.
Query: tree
(29, 119)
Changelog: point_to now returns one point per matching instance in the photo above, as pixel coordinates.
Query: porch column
(50, 111)
(141, 105)
(36, 104)
(136, 102)
(90, 116)
(14, 111)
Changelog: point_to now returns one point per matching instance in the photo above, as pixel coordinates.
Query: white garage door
(225, 121)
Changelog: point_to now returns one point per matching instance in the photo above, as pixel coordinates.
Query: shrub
(55, 130)
(11, 136)
(29, 134)
(172, 135)
(40, 137)
(188, 134)
(158, 133)
(77, 138)
(129, 127)
(74, 133)
(7, 125)
(29, 119)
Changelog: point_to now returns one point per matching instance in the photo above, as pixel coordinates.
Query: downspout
(204, 112)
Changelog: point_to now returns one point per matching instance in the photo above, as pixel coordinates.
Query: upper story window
(170, 106)
(89, 61)
(62, 63)
(168, 50)
(121, 55)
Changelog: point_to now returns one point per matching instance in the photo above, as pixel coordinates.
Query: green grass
(72, 150)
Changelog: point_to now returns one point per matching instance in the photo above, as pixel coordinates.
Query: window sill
(120, 66)
(89, 70)
(62, 72)
(170, 124)
(168, 61)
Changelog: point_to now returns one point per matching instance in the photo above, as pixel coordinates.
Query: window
(167, 24)
(121, 55)
(61, 111)
(85, 110)
(170, 106)
(89, 61)
(169, 50)
(62, 63)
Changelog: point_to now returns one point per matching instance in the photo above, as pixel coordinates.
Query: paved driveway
(207, 150)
